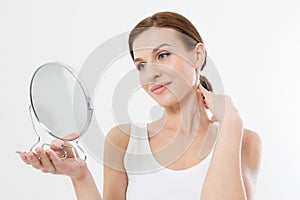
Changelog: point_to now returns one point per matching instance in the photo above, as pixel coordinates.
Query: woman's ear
(197, 83)
(199, 55)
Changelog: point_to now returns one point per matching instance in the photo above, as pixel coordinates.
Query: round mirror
(60, 101)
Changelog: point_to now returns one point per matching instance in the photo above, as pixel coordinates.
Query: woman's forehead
(154, 37)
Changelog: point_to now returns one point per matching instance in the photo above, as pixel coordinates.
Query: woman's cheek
(188, 74)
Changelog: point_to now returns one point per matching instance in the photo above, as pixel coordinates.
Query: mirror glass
(59, 101)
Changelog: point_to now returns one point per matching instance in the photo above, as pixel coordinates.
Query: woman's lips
(159, 88)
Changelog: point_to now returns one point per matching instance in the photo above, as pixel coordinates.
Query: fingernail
(29, 157)
(57, 144)
(23, 157)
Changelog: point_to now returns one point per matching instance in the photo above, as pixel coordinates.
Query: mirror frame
(82, 86)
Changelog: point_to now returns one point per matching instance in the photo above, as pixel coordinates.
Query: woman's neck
(186, 116)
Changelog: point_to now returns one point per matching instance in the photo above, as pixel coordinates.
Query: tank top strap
(138, 157)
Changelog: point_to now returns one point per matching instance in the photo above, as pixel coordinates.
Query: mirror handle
(75, 154)
(64, 153)
(78, 159)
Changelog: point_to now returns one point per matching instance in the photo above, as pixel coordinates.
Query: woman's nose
(153, 72)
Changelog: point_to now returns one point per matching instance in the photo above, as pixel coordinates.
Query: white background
(254, 44)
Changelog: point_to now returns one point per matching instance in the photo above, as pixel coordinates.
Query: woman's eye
(141, 66)
(163, 55)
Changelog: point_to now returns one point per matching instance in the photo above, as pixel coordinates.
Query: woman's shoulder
(251, 146)
(251, 137)
(119, 135)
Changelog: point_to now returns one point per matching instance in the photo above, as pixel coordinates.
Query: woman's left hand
(221, 106)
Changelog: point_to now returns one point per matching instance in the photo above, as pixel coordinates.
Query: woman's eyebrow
(159, 46)
(153, 51)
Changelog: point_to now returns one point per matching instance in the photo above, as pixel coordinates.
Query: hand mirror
(60, 104)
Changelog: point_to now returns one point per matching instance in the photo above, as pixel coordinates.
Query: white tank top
(149, 180)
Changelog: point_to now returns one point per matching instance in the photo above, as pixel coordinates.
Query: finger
(33, 160)
(204, 90)
(57, 142)
(57, 162)
(24, 158)
(70, 150)
(213, 119)
(207, 97)
(215, 103)
(46, 163)
(56, 146)
(201, 99)
(61, 147)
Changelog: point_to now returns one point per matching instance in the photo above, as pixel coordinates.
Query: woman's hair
(190, 36)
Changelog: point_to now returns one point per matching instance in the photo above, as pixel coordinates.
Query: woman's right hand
(49, 162)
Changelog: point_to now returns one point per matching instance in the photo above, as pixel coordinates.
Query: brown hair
(175, 21)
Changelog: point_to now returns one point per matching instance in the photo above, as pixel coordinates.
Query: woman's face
(167, 70)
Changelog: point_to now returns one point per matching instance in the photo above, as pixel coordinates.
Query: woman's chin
(167, 101)
(169, 98)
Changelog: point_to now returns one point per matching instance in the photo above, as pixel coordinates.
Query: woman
(169, 54)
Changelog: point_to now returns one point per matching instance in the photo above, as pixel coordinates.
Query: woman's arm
(115, 176)
(251, 160)
(236, 158)
(224, 176)
(235, 164)
(48, 162)
(85, 187)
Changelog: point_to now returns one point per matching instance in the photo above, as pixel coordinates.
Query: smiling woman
(184, 154)
(185, 30)
(169, 54)
(164, 59)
